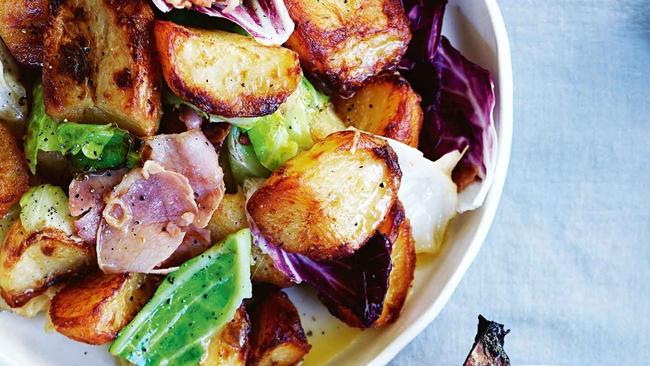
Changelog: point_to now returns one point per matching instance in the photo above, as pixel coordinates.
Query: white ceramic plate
(477, 29)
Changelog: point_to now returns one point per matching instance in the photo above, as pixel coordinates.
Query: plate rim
(505, 96)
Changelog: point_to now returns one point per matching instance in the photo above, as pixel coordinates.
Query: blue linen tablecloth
(566, 265)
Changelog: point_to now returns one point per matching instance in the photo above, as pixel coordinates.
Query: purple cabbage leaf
(356, 285)
(267, 21)
(458, 102)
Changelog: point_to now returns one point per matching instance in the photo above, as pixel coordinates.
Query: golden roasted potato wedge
(328, 201)
(22, 24)
(35, 305)
(230, 346)
(386, 106)
(225, 73)
(95, 308)
(14, 177)
(229, 218)
(278, 338)
(30, 263)
(343, 43)
(99, 64)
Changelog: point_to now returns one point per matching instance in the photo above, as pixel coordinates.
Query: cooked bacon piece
(145, 219)
(196, 241)
(87, 200)
(190, 118)
(192, 155)
(488, 345)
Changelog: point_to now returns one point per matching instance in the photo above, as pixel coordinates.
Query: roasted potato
(225, 73)
(14, 177)
(35, 305)
(30, 263)
(230, 346)
(229, 218)
(343, 43)
(278, 338)
(22, 24)
(328, 201)
(263, 270)
(386, 106)
(95, 308)
(99, 64)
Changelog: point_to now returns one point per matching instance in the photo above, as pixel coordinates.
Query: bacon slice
(196, 241)
(145, 219)
(87, 200)
(192, 155)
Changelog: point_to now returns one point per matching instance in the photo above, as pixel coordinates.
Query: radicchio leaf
(357, 283)
(267, 21)
(458, 100)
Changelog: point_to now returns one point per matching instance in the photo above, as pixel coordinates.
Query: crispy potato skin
(95, 308)
(14, 177)
(343, 43)
(30, 263)
(229, 218)
(231, 345)
(22, 24)
(99, 64)
(328, 201)
(385, 106)
(278, 338)
(224, 73)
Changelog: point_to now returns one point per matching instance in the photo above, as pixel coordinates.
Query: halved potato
(14, 177)
(22, 24)
(230, 346)
(229, 218)
(95, 308)
(99, 64)
(328, 201)
(278, 338)
(30, 263)
(343, 43)
(386, 106)
(225, 73)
